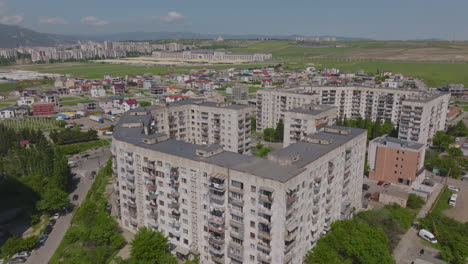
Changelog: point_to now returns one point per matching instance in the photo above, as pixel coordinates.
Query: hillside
(15, 36)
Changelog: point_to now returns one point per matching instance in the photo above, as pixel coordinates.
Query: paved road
(44, 253)
(410, 244)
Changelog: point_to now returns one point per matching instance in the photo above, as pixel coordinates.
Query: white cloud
(90, 20)
(172, 16)
(53, 20)
(12, 20)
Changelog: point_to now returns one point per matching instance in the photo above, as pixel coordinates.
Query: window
(185, 231)
(253, 200)
(252, 235)
(185, 241)
(252, 224)
(252, 258)
(253, 188)
(237, 184)
(252, 212)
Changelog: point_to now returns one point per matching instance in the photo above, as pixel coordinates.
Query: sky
(376, 19)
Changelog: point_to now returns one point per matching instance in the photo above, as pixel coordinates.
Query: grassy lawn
(253, 89)
(81, 147)
(71, 98)
(73, 103)
(32, 123)
(6, 88)
(442, 203)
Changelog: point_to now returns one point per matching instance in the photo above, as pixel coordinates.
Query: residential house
(98, 91)
(7, 112)
(129, 104)
(25, 100)
(118, 88)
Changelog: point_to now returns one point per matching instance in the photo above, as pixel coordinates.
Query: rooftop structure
(213, 202)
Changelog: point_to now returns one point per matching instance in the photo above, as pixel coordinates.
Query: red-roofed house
(118, 88)
(187, 92)
(172, 90)
(453, 112)
(129, 104)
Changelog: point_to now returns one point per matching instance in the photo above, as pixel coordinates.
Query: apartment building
(422, 116)
(212, 55)
(273, 102)
(396, 161)
(306, 120)
(373, 103)
(202, 122)
(232, 208)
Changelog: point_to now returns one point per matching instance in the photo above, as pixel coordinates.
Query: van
(453, 199)
(428, 236)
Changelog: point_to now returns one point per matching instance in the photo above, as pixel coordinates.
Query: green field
(32, 123)
(6, 88)
(438, 63)
(84, 146)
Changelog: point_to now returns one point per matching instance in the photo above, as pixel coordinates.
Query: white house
(98, 91)
(25, 100)
(129, 105)
(7, 112)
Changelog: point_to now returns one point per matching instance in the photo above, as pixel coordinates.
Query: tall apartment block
(232, 208)
(306, 120)
(421, 117)
(396, 161)
(202, 122)
(373, 103)
(273, 102)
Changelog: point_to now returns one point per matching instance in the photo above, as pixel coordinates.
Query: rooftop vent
(321, 141)
(209, 151)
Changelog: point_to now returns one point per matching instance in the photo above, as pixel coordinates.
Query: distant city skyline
(398, 20)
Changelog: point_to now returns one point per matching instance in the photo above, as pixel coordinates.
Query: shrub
(415, 202)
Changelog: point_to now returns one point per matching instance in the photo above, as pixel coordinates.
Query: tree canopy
(150, 246)
(442, 140)
(458, 130)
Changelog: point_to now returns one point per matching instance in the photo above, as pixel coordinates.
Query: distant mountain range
(15, 36)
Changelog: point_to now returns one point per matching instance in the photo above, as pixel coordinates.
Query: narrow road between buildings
(97, 158)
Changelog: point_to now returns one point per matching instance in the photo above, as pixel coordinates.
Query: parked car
(457, 139)
(428, 236)
(22, 254)
(386, 185)
(48, 229)
(453, 200)
(75, 197)
(52, 222)
(43, 238)
(17, 260)
(453, 188)
(380, 182)
(365, 187)
(367, 195)
(85, 156)
(56, 216)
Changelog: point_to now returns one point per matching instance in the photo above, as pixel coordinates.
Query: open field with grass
(438, 63)
(6, 88)
(75, 148)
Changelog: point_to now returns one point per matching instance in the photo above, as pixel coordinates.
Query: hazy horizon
(402, 20)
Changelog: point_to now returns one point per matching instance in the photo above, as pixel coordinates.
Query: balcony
(263, 257)
(264, 234)
(266, 198)
(217, 186)
(218, 240)
(235, 252)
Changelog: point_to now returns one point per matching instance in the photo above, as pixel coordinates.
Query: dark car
(380, 182)
(367, 195)
(75, 197)
(93, 173)
(48, 229)
(52, 222)
(108, 208)
(365, 187)
(85, 156)
(386, 185)
(43, 238)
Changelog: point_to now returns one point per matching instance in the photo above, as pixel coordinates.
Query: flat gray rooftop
(397, 143)
(244, 163)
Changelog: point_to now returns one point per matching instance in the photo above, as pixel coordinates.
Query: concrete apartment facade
(202, 122)
(422, 117)
(212, 55)
(396, 161)
(272, 103)
(232, 208)
(373, 103)
(307, 120)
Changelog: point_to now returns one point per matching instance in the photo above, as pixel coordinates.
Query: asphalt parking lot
(460, 211)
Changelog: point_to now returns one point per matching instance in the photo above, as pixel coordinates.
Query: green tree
(442, 140)
(144, 103)
(269, 134)
(455, 152)
(279, 132)
(349, 242)
(253, 124)
(458, 130)
(17, 244)
(151, 247)
(53, 200)
(415, 202)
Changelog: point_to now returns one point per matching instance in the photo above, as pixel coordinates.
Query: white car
(428, 236)
(453, 188)
(23, 254)
(453, 200)
(457, 139)
(56, 216)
